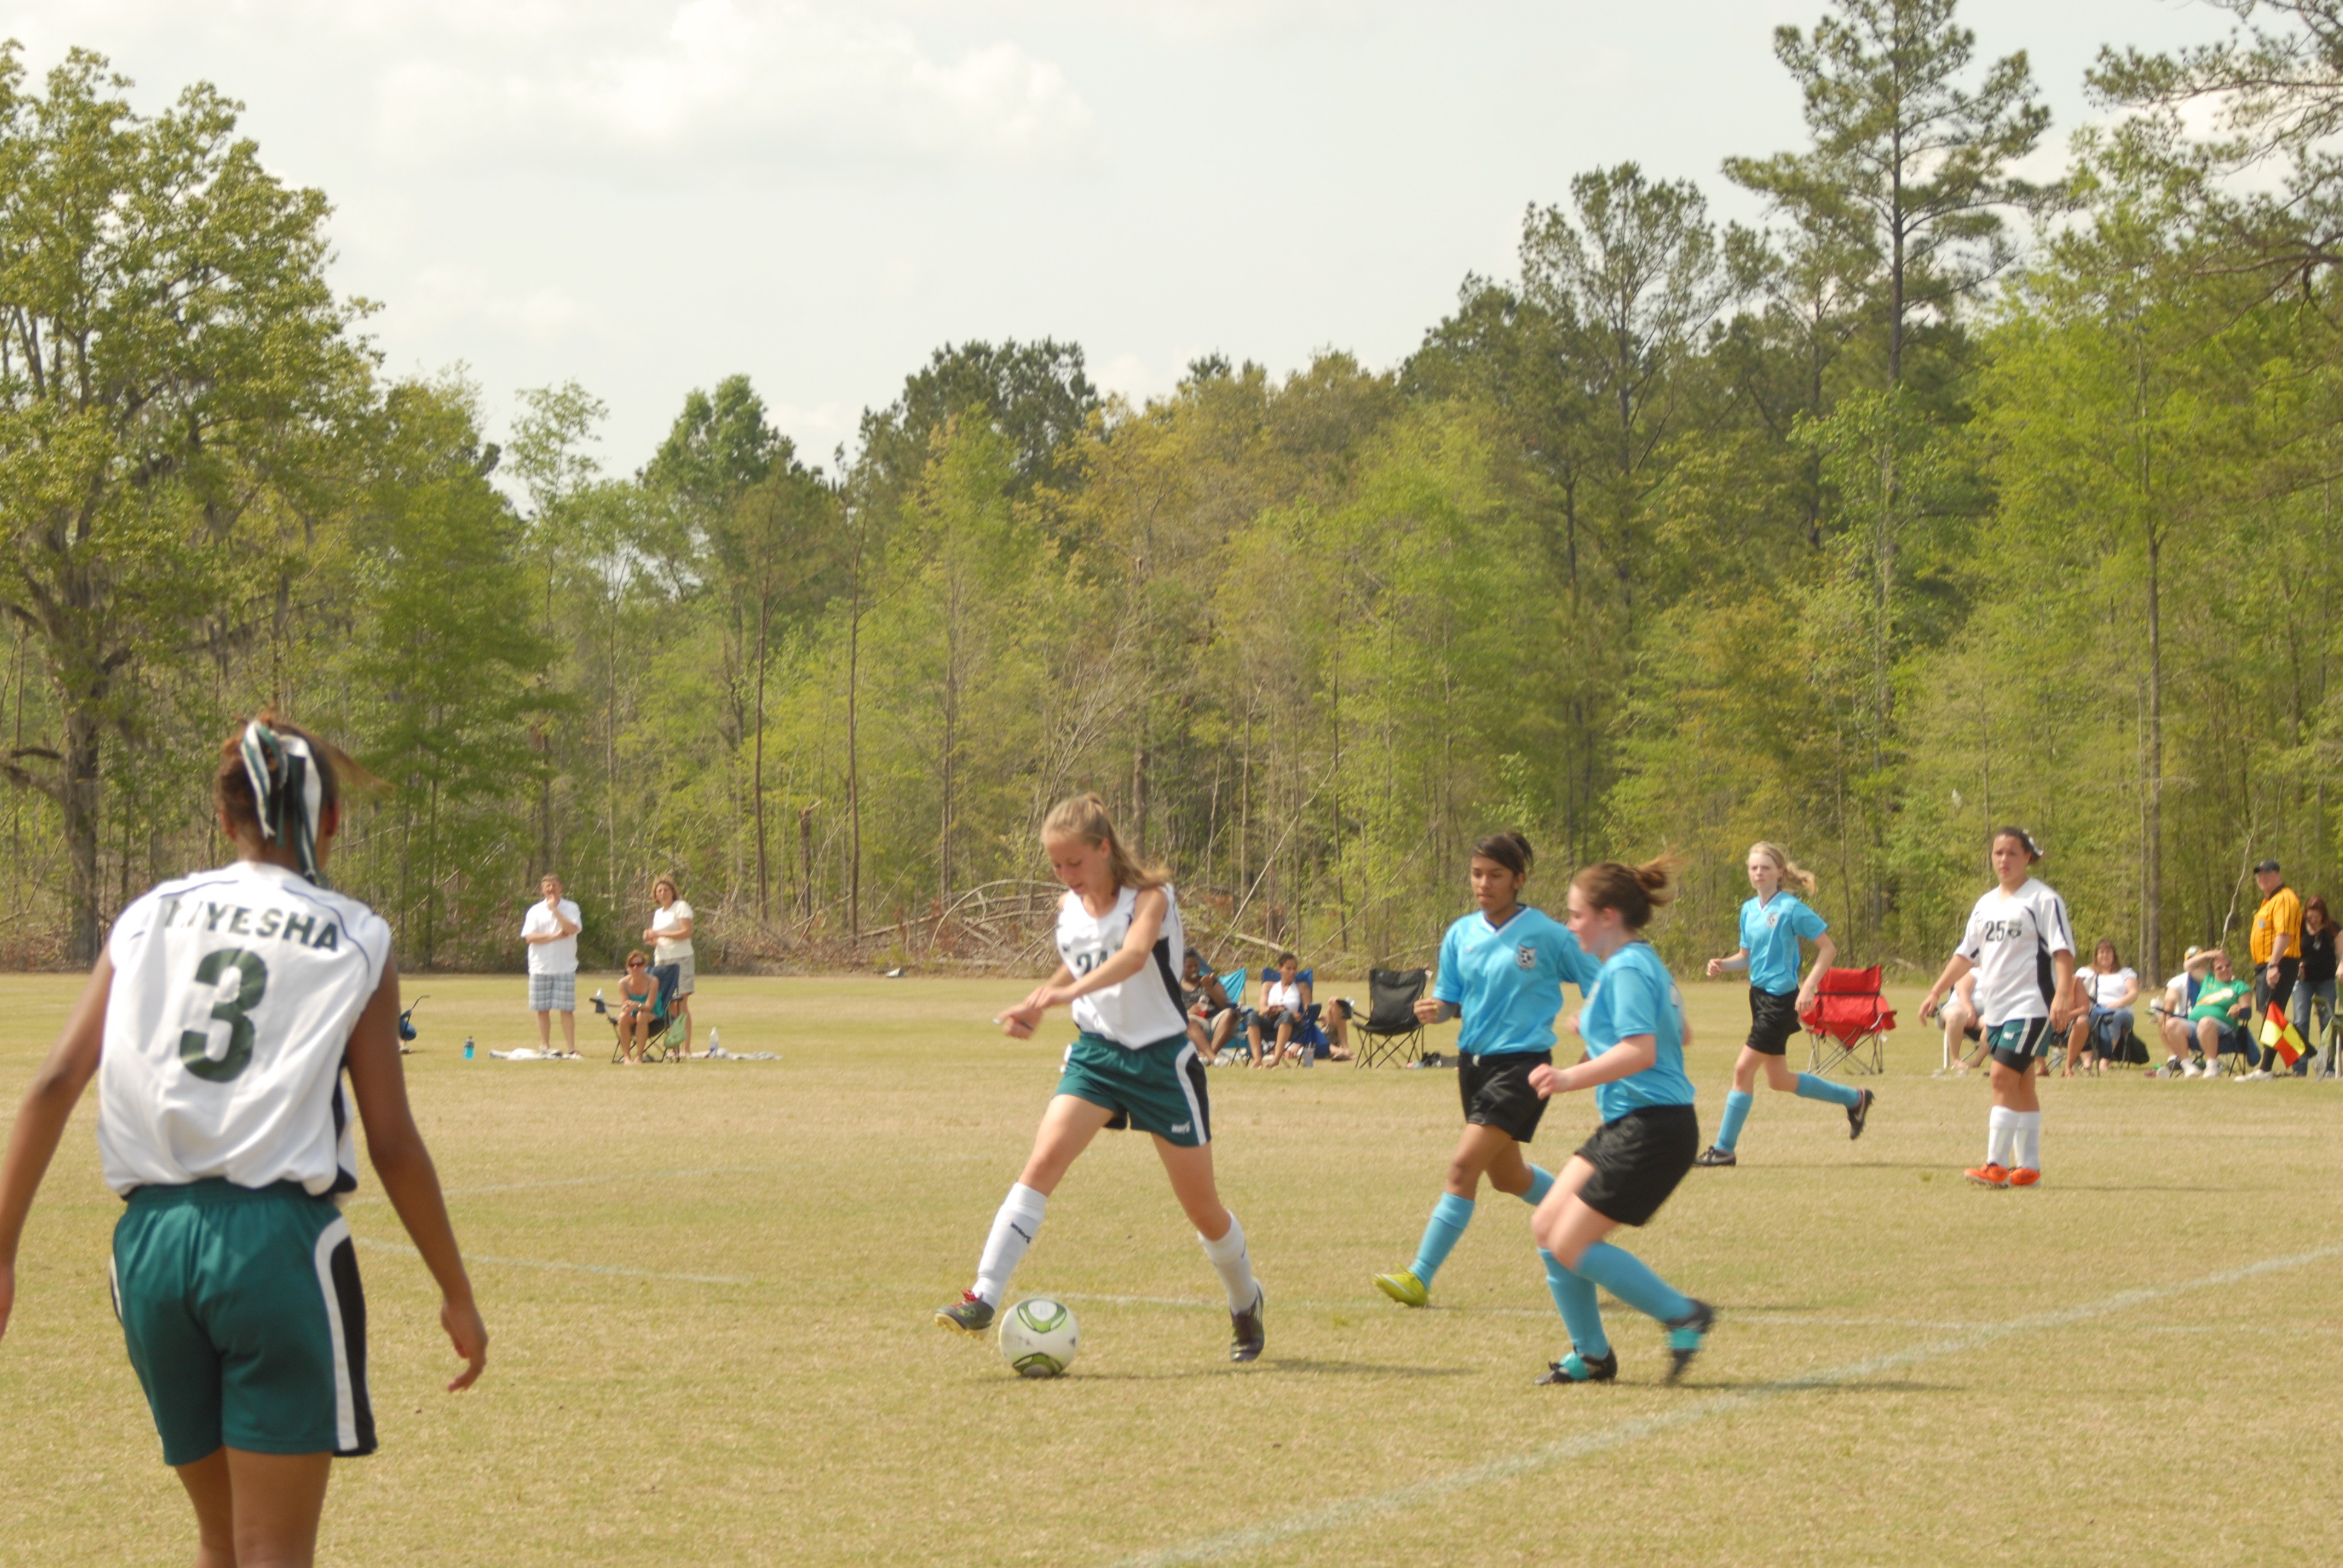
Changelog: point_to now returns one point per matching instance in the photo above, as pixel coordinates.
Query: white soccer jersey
(2010, 939)
(235, 992)
(1143, 1008)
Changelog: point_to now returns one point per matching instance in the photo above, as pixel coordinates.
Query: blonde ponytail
(1795, 876)
(1085, 816)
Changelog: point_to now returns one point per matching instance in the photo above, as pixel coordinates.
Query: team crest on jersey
(1525, 956)
(1772, 921)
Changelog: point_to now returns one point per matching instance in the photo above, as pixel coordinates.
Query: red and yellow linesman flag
(2278, 1034)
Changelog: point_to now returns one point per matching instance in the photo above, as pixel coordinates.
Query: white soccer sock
(2030, 1139)
(1013, 1230)
(2001, 1132)
(1228, 1256)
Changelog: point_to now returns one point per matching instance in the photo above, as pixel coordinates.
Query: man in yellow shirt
(2277, 945)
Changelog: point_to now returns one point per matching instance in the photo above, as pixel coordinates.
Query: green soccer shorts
(241, 1309)
(1157, 1088)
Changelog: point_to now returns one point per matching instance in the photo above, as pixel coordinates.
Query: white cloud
(724, 80)
(439, 297)
(715, 83)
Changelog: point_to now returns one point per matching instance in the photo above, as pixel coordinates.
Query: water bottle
(1309, 1054)
(714, 1044)
(468, 1048)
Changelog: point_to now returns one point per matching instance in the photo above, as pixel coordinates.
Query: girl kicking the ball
(1133, 1065)
(1636, 1034)
(1772, 922)
(1501, 970)
(218, 1023)
(2022, 947)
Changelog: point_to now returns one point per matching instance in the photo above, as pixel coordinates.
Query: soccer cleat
(1684, 1337)
(2022, 1176)
(1857, 1113)
(971, 1314)
(1988, 1175)
(1577, 1368)
(2259, 1075)
(1716, 1156)
(1246, 1335)
(1404, 1287)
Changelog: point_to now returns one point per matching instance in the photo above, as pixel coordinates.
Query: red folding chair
(1849, 1022)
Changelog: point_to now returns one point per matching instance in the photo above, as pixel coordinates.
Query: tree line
(1936, 498)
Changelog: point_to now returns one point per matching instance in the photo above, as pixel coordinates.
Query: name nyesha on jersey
(317, 932)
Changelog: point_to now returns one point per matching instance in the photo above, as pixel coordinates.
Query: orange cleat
(2022, 1177)
(1988, 1175)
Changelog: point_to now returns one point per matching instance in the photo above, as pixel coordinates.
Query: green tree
(452, 665)
(1898, 139)
(172, 365)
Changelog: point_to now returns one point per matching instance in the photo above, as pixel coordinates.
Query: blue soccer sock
(1813, 1087)
(1574, 1298)
(1736, 1112)
(1449, 1217)
(1541, 1183)
(1627, 1277)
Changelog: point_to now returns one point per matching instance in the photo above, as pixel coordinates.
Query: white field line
(1359, 1510)
(565, 1267)
(1759, 1315)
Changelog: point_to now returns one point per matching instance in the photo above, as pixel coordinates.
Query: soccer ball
(1037, 1337)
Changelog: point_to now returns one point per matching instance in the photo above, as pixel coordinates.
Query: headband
(290, 795)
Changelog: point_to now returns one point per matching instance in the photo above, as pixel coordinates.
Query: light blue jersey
(1634, 995)
(1771, 932)
(1507, 980)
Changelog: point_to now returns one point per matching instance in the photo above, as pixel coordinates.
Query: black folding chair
(1390, 1029)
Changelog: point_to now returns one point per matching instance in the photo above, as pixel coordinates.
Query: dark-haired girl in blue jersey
(1634, 1029)
(1502, 969)
(1770, 926)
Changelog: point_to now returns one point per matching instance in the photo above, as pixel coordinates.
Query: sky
(644, 196)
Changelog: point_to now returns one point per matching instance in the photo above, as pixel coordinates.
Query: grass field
(709, 1288)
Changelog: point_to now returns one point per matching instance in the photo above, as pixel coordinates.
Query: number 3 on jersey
(195, 1044)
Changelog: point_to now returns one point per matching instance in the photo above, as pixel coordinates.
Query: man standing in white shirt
(550, 929)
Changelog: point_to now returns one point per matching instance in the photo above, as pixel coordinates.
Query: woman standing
(670, 934)
(1502, 969)
(2022, 948)
(234, 1274)
(1772, 922)
(1634, 1029)
(1133, 1065)
(2318, 981)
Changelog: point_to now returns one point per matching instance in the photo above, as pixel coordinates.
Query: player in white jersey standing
(2022, 945)
(1133, 1065)
(218, 1023)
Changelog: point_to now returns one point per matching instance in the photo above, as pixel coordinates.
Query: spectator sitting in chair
(2223, 1005)
(2096, 1039)
(1335, 1019)
(1211, 1018)
(1957, 1013)
(638, 1006)
(1284, 1008)
(2170, 1011)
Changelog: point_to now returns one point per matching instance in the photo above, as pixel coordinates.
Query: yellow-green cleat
(1403, 1288)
